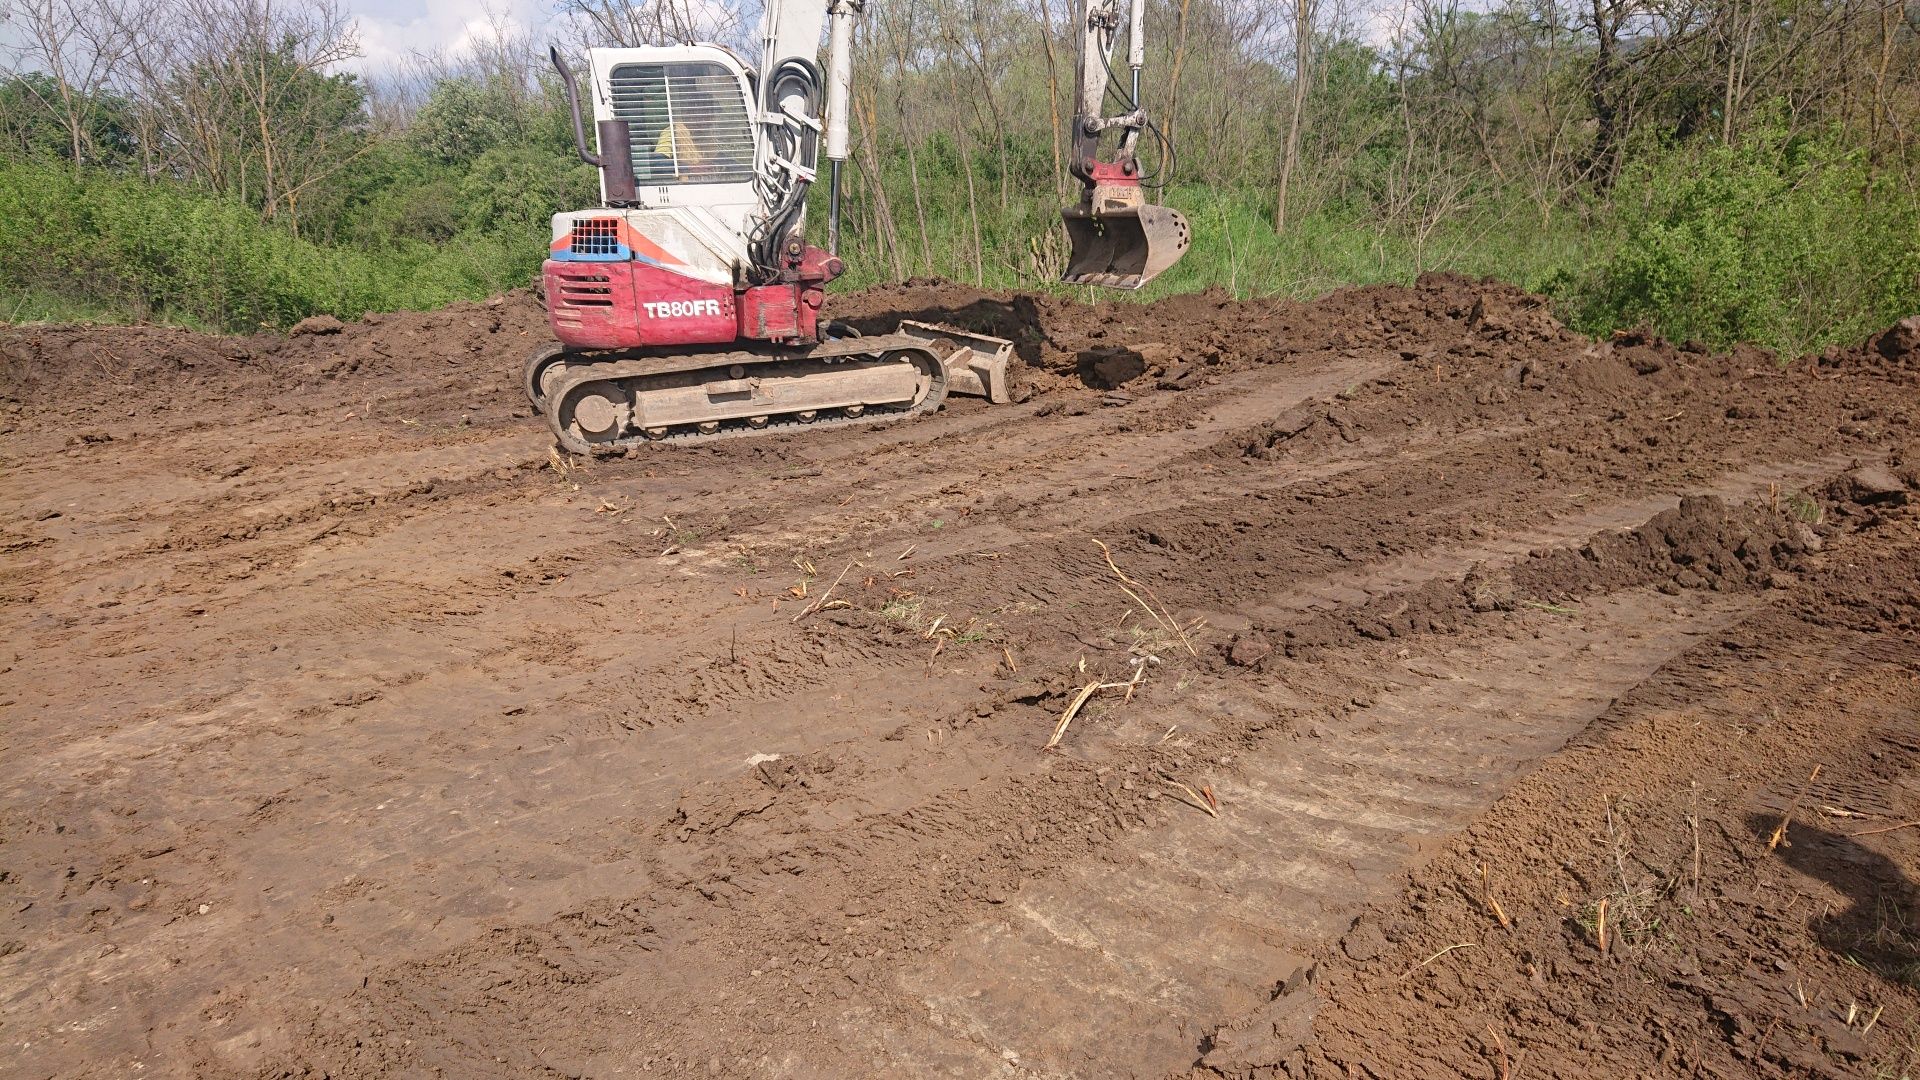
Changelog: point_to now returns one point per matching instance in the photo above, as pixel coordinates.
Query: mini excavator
(687, 306)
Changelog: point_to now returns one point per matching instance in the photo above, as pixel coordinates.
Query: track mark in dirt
(1306, 836)
(529, 773)
(1729, 954)
(969, 454)
(1344, 588)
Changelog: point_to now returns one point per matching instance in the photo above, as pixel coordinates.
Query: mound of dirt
(1113, 344)
(110, 372)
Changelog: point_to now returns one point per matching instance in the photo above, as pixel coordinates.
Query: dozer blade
(976, 364)
(1123, 248)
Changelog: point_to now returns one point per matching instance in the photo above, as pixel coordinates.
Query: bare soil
(1480, 699)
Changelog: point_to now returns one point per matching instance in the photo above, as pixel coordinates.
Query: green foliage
(33, 122)
(1788, 243)
(392, 194)
(1484, 141)
(1234, 245)
(464, 118)
(273, 125)
(456, 208)
(518, 188)
(175, 252)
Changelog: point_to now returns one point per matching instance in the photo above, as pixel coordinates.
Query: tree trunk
(1053, 92)
(1601, 95)
(1290, 155)
(1173, 77)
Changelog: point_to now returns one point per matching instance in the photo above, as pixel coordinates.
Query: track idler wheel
(543, 360)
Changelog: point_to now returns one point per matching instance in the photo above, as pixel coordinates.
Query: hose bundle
(783, 190)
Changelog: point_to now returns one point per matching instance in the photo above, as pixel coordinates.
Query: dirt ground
(1479, 700)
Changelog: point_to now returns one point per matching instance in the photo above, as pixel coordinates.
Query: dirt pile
(112, 374)
(1177, 342)
(351, 731)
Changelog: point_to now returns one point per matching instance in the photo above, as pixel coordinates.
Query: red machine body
(634, 301)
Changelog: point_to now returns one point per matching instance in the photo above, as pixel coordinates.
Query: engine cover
(623, 305)
(637, 278)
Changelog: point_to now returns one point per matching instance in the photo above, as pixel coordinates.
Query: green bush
(518, 188)
(1789, 243)
(167, 251)
(1786, 243)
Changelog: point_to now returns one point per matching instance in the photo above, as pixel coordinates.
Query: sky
(392, 30)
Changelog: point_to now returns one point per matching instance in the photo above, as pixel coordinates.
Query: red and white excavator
(687, 306)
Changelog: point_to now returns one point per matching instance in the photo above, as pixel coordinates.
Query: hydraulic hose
(795, 77)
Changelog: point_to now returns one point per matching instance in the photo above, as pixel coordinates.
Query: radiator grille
(688, 123)
(595, 236)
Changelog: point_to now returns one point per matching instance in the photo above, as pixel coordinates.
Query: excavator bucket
(1123, 248)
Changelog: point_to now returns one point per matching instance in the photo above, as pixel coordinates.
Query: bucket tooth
(1123, 248)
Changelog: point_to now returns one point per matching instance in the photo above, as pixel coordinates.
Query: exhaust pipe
(615, 159)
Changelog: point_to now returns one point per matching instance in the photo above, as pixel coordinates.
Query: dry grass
(1060, 729)
(1627, 915)
(826, 600)
(1901, 1061)
(910, 613)
(1087, 691)
(1200, 798)
(1438, 955)
(1147, 602)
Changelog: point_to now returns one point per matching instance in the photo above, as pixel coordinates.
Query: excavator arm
(1118, 239)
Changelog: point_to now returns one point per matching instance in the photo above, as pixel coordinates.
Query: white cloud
(392, 31)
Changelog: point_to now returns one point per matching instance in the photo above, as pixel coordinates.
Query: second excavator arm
(1117, 238)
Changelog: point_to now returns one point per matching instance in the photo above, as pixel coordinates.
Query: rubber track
(580, 373)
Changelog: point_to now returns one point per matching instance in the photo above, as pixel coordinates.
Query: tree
(1304, 15)
(464, 118)
(243, 97)
(77, 45)
(34, 122)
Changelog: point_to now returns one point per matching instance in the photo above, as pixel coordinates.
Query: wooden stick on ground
(1885, 829)
(1486, 883)
(817, 604)
(1780, 830)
